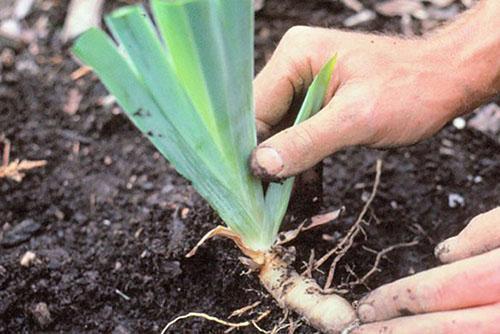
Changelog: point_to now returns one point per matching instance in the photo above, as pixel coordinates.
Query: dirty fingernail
(442, 250)
(266, 162)
(366, 313)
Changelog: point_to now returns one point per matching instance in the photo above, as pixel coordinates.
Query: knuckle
(304, 138)
(426, 297)
(295, 34)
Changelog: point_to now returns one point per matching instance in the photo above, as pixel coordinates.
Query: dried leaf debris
(14, 169)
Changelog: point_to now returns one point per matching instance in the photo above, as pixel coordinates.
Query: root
(345, 244)
(231, 325)
(329, 313)
(378, 258)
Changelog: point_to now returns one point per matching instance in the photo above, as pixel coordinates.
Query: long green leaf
(278, 194)
(98, 51)
(211, 43)
(188, 87)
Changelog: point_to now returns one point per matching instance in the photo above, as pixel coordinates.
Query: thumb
(302, 146)
(481, 235)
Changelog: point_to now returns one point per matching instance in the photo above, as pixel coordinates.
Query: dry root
(14, 170)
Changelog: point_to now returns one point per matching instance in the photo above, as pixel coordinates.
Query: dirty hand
(386, 91)
(462, 296)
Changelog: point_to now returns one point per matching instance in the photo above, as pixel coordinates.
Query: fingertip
(266, 163)
(444, 251)
(366, 312)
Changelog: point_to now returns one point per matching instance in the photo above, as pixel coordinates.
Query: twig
(80, 72)
(13, 170)
(344, 245)
(217, 320)
(241, 311)
(310, 265)
(123, 295)
(379, 257)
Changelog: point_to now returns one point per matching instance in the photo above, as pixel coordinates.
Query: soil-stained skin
(105, 202)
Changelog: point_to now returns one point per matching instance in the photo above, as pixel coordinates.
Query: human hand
(386, 91)
(460, 297)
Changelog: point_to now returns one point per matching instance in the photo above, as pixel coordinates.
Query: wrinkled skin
(386, 91)
(462, 296)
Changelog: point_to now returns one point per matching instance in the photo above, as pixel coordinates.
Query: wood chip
(354, 5)
(359, 18)
(399, 7)
(14, 170)
(80, 73)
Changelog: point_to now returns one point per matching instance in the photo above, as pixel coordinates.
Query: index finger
(467, 283)
(274, 89)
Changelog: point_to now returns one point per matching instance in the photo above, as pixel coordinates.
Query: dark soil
(110, 220)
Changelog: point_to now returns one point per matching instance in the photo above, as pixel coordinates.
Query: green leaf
(278, 194)
(211, 43)
(186, 83)
(122, 80)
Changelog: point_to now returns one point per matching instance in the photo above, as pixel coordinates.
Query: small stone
(184, 213)
(455, 200)
(459, 123)
(118, 265)
(20, 233)
(28, 259)
(41, 314)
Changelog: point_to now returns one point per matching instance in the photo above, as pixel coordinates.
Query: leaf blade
(278, 194)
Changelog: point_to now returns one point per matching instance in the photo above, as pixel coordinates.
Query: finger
(467, 283)
(341, 123)
(280, 80)
(481, 235)
(484, 320)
